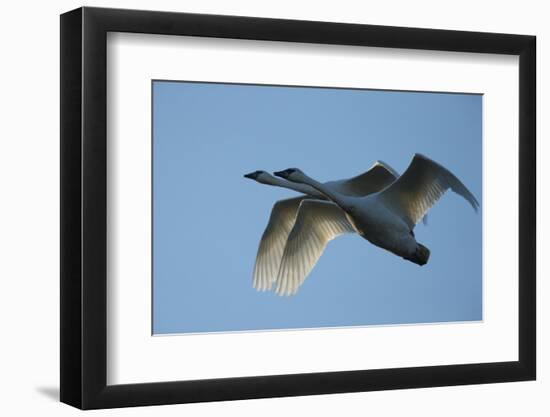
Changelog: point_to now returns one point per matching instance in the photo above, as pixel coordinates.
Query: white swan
(378, 176)
(386, 218)
(284, 214)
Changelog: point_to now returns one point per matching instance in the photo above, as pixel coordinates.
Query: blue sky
(208, 219)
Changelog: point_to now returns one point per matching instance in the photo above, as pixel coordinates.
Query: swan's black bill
(284, 174)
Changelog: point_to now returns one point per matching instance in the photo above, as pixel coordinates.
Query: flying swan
(284, 213)
(385, 218)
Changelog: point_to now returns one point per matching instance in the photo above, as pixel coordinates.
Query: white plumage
(317, 223)
(419, 188)
(385, 218)
(285, 212)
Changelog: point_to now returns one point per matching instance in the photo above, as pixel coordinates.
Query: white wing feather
(420, 187)
(283, 215)
(272, 244)
(378, 177)
(316, 224)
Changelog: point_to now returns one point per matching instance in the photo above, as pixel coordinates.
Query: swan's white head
(291, 174)
(260, 176)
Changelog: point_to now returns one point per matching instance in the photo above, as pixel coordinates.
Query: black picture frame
(84, 197)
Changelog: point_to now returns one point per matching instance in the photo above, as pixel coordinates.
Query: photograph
(281, 207)
(339, 205)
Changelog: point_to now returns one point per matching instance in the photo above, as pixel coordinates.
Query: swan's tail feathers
(420, 256)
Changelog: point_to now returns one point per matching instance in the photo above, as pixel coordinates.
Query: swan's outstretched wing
(419, 188)
(272, 244)
(316, 224)
(378, 177)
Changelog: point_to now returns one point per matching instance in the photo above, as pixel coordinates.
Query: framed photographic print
(258, 207)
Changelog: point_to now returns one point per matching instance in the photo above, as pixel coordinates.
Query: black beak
(282, 174)
(251, 175)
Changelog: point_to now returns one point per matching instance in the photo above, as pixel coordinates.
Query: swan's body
(285, 212)
(383, 227)
(385, 218)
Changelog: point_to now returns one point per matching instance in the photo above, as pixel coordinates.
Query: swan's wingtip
(287, 292)
(261, 286)
(385, 165)
(421, 155)
(473, 202)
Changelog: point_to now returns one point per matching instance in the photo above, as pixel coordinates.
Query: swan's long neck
(340, 199)
(301, 188)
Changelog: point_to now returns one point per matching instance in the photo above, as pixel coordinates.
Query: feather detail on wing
(272, 244)
(316, 224)
(378, 177)
(420, 187)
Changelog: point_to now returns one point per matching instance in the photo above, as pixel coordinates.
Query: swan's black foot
(420, 256)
